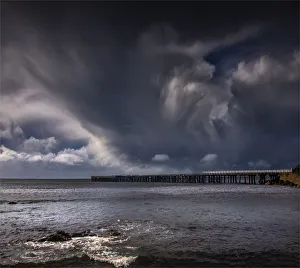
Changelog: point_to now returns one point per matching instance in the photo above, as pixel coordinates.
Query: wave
(103, 249)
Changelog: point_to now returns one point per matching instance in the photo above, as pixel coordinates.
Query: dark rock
(12, 203)
(112, 232)
(84, 233)
(59, 236)
(30, 254)
(192, 227)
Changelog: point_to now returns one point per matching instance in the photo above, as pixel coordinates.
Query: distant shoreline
(292, 180)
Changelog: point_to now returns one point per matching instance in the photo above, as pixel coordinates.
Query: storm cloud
(82, 95)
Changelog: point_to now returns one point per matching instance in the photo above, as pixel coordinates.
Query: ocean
(157, 225)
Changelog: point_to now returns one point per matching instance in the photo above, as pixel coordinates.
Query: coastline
(291, 180)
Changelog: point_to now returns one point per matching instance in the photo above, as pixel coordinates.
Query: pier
(216, 177)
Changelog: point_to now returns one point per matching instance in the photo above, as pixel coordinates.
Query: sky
(105, 88)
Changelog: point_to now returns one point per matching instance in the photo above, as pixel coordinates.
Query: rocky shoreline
(283, 183)
(292, 180)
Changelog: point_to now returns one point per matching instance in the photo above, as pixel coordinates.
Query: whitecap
(104, 249)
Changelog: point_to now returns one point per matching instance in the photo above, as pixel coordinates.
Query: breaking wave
(110, 250)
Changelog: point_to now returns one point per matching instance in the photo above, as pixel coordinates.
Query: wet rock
(12, 203)
(31, 255)
(59, 236)
(112, 232)
(84, 233)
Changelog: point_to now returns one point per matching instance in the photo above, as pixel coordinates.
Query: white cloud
(39, 145)
(259, 164)
(181, 91)
(266, 80)
(192, 95)
(67, 156)
(160, 157)
(209, 158)
(266, 69)
(71, 157)
(6, 154)
(35, 158)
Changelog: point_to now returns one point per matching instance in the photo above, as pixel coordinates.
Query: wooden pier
(213, 177)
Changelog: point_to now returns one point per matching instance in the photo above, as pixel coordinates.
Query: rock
(84, 233)
(112, 232)
(31, 255)
(12, 203)
(59, 236)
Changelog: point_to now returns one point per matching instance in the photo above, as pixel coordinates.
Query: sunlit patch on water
(105, 249)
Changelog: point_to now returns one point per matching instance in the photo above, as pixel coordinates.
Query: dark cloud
(116, 90)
